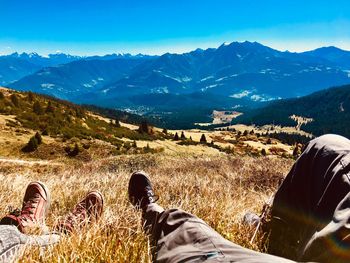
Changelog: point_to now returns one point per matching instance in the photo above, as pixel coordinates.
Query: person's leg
(178, 236)
(309, 195)
(15, 226)
(88, 210)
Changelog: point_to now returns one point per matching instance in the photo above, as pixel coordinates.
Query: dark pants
(311, 209)
(310, 216)
(178, 236)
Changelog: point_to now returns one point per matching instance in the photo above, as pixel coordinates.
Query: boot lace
(152, 198)
(28, 208)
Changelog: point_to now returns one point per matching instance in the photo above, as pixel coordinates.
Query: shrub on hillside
(38, 137)
(145, 128)
(37, 109)
(79, 112)
(72, 152)
(86, 146)
(117, 123)
(277, 150)
(45, 132)
(14, 100)
(2, 96)
(30, 96)
(49, 108)
(75, 151)
(203, 139)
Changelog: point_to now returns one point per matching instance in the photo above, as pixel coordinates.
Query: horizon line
(86, 55)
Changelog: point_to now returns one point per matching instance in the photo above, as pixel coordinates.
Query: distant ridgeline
(329, 109)
(172, 87)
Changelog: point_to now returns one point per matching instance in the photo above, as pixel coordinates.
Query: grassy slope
(184, 176)
(61, 124)
(239, 184)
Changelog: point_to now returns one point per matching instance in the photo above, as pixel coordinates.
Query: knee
(328, 140)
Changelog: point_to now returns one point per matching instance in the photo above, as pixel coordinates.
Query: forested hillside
(329, 109)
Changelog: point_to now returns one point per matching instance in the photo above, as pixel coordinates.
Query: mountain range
(15, 66)
(232, 75)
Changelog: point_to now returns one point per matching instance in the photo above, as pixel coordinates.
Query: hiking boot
(36, 203)
(140, 191)
(85, 212)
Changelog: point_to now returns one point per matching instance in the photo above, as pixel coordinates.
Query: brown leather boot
(36, 203)
(85, 212)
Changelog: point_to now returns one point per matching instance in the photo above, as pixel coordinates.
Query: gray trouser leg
(307, 199)
(13, 242)
(182, 237)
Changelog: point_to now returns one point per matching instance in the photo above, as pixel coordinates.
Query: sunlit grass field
(218, 189)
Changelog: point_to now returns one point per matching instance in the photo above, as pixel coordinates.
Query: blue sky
(87, 27)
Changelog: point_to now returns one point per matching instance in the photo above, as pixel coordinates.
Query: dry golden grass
(218, 189)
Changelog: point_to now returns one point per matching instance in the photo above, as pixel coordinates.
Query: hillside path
(27, 162)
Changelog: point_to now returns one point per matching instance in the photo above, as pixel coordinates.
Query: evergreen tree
(37, 109)
(165, 131)
(263, 152)
(30, 96)
(31, 146)
(203, 139)
(144, 127)
(50, 108)
(15, 100)
(245, 133)
(176, 137)
(117, 123)
(183, 137)
(38, 138)
(147, 149)
(79, 112)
